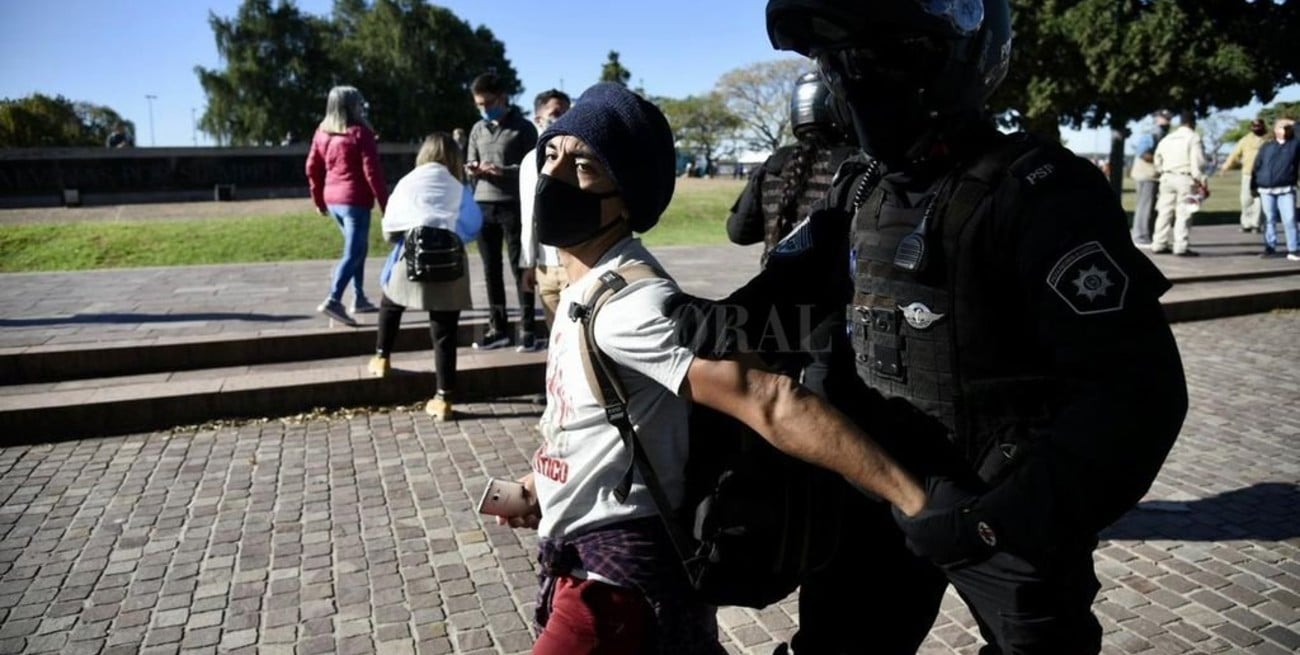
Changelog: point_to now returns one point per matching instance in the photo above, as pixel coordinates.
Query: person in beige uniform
(1243, 154)
(1180, 162)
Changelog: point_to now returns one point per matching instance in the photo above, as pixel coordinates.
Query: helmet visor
(910, 61)
(805, 33)
(807, 27)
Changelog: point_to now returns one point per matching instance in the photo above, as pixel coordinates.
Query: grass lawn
(697, 216)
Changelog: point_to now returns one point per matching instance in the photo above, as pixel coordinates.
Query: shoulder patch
(1039, 165)
(798, 240)
(1040, 174)
(1089, 281)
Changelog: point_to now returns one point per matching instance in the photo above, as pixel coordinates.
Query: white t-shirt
(582, 458)
(531, 252)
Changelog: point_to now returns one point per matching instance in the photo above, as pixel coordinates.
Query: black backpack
(433, 255)
(754, 521)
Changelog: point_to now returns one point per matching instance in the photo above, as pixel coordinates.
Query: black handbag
(433, 255)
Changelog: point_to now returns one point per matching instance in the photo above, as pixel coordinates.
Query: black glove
(962, 524)
(951, 530)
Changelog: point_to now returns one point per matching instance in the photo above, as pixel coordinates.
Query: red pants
(589, 617)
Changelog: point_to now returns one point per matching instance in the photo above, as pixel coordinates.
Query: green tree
(98, 121)
(759, 95)
(1096, 63)
(613, 71)
(414, 62)
(41, 121)
(701, 124)
(277, 73)
(411, 60)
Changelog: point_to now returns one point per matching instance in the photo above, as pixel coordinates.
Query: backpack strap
(607, 387)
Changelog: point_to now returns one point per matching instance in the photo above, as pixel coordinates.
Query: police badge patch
(1089, 281)
(797, 241)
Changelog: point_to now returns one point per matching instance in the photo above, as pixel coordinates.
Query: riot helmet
(816, 115)
(910, 70)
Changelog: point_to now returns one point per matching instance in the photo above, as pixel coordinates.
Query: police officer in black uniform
(795, 177)
(780, 193)
(1009, 335)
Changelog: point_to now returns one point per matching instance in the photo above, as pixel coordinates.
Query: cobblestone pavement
(357, 534)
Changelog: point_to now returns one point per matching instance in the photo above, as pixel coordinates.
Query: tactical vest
(818, 183)
(933, 336)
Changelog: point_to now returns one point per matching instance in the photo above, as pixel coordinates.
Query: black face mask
(565, 215)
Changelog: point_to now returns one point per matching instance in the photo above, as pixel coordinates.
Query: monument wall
(43, 177)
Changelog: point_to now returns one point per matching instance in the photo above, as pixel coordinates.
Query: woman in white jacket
(433, 195)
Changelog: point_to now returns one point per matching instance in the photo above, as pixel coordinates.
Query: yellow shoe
(439, 408)
(379, 366)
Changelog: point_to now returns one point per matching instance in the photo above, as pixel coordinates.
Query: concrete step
(78, 361)
(1196, 301)
(1242, 289)
(119, 405)
(142, 401)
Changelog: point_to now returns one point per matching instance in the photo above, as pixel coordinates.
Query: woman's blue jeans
(354, 222)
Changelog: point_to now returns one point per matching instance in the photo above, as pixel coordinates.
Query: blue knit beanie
(631, 137)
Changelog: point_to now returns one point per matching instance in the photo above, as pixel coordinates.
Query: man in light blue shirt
(1148, 180)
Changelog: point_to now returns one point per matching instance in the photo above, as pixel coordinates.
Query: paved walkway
(356, 533)
(133, 305)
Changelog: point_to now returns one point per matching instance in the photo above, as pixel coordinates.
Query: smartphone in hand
(505, 498)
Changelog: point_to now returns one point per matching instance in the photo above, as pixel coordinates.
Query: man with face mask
(1243, 154)
(540, 262)
(1147, 179)
(611, 579)
(496, 145)
(999, 313)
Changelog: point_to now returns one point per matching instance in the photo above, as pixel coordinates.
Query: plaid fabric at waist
(636, 555)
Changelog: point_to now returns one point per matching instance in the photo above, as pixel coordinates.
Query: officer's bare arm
(800, 424)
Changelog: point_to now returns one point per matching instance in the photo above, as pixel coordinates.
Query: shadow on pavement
(1267, 511)
(95, 319)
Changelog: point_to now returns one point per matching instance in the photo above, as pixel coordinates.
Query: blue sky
(116, 52)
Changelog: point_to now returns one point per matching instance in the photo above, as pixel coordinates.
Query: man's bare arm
(802, 425)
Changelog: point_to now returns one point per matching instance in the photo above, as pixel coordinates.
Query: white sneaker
(1293, 257)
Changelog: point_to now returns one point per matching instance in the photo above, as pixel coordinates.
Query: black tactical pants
(877, 598)
(1025, 609)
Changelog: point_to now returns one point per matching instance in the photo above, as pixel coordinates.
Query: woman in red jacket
(346, 179)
